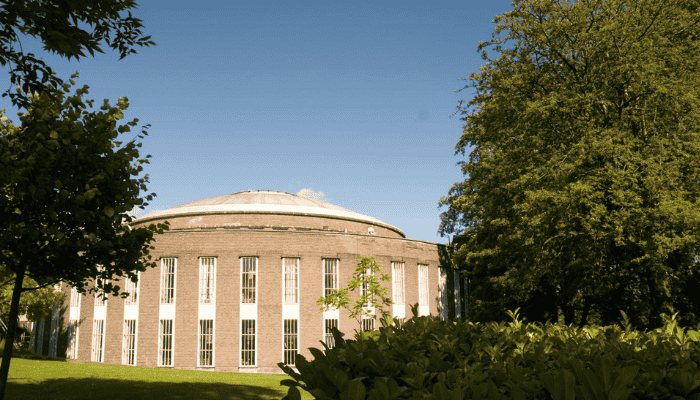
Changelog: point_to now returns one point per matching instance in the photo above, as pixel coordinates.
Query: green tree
(66, 187)
(61, 27)
(582, 187)
(371, 295)
(35, 302)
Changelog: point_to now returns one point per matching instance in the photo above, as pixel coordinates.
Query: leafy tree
(35, 302)
(371, 298)
(582, 187)
(66, 187)
(60, 25)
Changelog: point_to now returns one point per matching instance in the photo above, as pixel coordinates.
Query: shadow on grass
(94, 388)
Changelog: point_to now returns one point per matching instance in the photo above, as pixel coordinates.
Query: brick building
(237, 282)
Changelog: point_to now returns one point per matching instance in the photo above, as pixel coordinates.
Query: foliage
(425, 358)
(584, 172)
(367, 277)
(66, 188)
(60, 25)
(35, 304)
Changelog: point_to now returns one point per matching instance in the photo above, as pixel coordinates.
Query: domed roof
(263, 201)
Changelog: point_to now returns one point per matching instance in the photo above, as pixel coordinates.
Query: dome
(264, 202)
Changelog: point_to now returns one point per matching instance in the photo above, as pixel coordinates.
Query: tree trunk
(11, 328)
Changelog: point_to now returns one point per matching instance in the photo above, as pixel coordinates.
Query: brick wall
(269, 246)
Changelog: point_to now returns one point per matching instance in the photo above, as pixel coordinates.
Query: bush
(425, 358)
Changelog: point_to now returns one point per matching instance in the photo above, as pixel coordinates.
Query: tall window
(206, 343)
(129, 342)
(131, 287)
(207, 274)
(422, 284)
(167, 281)
(98, 332)
(291, 341)
(74, 297)
(248, 342)
(248, 281)
(397, 275)
(291, 280)
(330, 275)
(72, 339)
(329, 324)
(165, 343)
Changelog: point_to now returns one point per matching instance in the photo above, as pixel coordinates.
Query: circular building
(237, 283)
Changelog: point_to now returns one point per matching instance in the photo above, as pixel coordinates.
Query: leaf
(355, 390)
(293, 394)
(54, 135)
(109, 211)
(560, 385)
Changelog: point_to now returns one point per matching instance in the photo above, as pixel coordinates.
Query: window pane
(165, 343)
(423, 284)
(74, 297)
(97, 340)
(129, 342)
(207, 275)
(330, 275)
(367, 324)
(248, 342)
(291, 341)
(167, 287)
(291, 280)
(397, 272)
(73, 339)
(248, 279)
(329, 324)
(206, 343)
(131, 288)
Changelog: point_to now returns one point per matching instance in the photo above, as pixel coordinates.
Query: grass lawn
(43, 379)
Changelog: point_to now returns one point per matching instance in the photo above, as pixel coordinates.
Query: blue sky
(352, 100)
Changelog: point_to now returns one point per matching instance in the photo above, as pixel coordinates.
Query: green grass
(44, 379)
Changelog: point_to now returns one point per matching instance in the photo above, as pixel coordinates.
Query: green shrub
(425, 358)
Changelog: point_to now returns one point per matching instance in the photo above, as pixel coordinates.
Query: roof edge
(334, 214)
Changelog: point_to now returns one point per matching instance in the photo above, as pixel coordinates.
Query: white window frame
(207, 280)
(290, 280)
(246, 289)
(129, 341)
(74, 297)
(201, 351)
(73, 327)
(328, 338)
(165, 296)
(243, 350)
(98, 339)
(423, 285)
(133, 289)
(398, 283)
(162, 324)
(290, 341)
(333, 276)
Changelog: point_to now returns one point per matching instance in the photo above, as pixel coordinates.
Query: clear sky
(352, 100)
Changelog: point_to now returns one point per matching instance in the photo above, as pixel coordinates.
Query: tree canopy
(582, 183)
(67, 185)
(67, 28)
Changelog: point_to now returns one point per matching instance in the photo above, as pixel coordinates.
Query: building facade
(237, 283)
